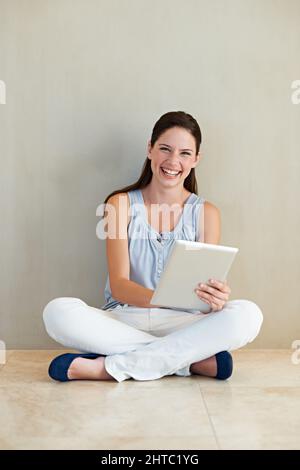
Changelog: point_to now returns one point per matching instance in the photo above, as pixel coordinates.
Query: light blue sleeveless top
(148, 249)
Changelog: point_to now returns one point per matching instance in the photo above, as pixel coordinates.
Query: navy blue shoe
(58, 369)
(224, 365)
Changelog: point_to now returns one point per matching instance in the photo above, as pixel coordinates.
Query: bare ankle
(89, 369)
(206, 367)
(105, 374)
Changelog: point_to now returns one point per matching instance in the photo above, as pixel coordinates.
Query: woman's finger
(216, 306)
(211, 291)
(221, 285)
(204, 297)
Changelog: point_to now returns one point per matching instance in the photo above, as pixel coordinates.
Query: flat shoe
(224, 365)
(58, 369)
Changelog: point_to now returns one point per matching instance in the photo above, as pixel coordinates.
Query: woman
(129, 337)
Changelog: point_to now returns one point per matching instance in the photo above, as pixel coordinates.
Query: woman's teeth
(170, 172)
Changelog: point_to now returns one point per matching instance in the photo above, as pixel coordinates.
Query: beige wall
(85, 82)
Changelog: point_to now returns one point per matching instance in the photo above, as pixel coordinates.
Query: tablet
(188, 264)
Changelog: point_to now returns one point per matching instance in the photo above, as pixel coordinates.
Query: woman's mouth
(170, 174)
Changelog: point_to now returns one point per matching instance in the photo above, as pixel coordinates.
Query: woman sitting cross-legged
(128, 337)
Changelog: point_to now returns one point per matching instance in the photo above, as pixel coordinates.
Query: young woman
(128, 337)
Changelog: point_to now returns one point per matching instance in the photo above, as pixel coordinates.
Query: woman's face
(174, 150)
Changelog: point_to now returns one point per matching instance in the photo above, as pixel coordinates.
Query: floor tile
(255, 418)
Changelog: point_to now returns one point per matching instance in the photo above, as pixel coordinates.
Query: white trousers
(149, 343)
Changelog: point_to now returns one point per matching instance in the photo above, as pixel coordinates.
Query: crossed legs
(134, 353)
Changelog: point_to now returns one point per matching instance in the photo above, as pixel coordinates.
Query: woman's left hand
(215, 293)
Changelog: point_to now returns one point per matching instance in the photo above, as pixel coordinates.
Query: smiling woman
(128, 337)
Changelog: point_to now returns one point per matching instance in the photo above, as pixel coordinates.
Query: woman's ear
(149, 150)
(197, 159)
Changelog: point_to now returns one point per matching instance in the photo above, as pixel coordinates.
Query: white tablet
(188, 264)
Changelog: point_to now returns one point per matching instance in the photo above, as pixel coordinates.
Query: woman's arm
(214, 293)
(122, 288)
(210, 230)
(129, 292)
(212, 224)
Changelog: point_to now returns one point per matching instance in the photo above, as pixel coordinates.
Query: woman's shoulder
(212, 223)
(115, 198)
(120, 202)
(211, 212)
(210, 207)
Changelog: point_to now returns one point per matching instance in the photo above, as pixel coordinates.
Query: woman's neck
(159, 195)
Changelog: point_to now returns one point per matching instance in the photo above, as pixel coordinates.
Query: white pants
(149, 343)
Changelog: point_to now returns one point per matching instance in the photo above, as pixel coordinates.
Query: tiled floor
(257, 408)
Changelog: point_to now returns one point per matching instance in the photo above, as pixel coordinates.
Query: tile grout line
(210, 420)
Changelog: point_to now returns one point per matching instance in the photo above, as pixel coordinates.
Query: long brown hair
(165, 122)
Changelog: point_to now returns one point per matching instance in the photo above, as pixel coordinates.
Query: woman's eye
(183, 153)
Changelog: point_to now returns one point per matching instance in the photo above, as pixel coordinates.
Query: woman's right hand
(215, 293)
